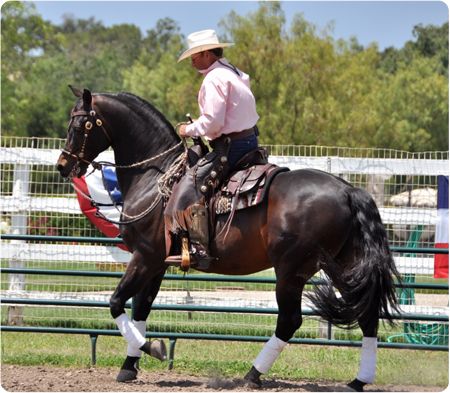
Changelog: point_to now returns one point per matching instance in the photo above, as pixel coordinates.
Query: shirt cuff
(191, 130)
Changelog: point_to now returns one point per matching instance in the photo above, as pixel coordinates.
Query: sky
(388, 23)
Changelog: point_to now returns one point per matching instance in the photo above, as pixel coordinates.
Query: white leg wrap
(135, 351)
(269, 354)
(368, 362)
(129, 331)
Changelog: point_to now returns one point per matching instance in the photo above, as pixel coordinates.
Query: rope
(173, 174)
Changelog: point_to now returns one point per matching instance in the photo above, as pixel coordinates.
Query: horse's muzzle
(69, 167)
(63, 167)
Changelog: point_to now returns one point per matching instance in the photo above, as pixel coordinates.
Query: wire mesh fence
(36, 201)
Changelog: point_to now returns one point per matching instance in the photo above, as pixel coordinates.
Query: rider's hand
(182, 130)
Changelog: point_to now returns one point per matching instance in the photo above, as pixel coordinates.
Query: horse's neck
(143, 148)
(144, 177)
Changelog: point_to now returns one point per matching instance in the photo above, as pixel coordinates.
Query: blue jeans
(240, 147)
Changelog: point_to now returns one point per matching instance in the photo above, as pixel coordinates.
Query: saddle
(245, 187)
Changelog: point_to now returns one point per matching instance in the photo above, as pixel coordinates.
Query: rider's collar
(220, 62)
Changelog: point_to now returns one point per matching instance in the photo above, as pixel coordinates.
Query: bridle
(93, 121)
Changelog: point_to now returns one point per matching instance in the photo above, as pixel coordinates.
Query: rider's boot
(197, 252)
(199, 233)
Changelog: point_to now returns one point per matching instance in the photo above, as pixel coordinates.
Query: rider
(228, 122)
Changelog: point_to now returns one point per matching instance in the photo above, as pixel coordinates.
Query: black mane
(142, 107)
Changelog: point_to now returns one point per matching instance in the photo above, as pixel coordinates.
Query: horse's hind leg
(142, 303)
(368, 324)
(368, 357)
(288, 293)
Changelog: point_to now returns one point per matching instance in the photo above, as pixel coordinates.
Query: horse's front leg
(143, 282)
(142, 304)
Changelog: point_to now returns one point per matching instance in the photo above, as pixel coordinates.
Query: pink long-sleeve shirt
(226, 103)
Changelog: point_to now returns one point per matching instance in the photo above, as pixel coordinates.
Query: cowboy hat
(201, 41)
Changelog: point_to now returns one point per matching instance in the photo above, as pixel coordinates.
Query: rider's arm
(213, 106)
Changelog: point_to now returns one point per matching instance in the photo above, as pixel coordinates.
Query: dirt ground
(55, 379)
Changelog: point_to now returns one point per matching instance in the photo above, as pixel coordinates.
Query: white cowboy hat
(201, 41)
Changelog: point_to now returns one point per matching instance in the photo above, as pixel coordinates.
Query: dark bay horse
(311, 220)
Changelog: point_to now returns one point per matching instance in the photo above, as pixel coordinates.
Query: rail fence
(57, 272)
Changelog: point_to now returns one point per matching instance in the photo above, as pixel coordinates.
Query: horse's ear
(87, 99)
(76, 92)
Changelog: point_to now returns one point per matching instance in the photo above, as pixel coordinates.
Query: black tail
(367, 287)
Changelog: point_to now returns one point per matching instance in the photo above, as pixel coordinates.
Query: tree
(413, 107)
(309, 88)
(157, 77)
(432, 42)
(25, 36)
(99, 55)
(35, 97)
(259, 51)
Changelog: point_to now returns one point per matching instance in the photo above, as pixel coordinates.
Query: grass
(231, 359)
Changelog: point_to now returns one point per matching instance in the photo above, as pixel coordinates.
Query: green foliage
(310, 89)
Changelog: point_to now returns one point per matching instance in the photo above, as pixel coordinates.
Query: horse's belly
(241, 249)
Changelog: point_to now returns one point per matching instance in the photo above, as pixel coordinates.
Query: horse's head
(86, 136)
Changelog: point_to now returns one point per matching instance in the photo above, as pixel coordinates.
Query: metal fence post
(93, 349)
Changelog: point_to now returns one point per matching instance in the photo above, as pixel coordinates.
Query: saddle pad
(246, 188)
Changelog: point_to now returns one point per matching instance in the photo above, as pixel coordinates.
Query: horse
(309, 221)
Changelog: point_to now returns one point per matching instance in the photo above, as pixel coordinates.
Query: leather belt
(239, 134)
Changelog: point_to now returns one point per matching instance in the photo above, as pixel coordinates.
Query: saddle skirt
(245, 188)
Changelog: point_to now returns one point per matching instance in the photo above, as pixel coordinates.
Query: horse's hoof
(156, 349)
(129, 370)
(356, 385)
(252, 378)
(126, 375)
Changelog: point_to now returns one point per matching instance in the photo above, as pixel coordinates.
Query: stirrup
(196, 261)
(183, 261)
(197, 258)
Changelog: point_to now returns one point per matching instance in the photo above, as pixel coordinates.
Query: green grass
(231, 359)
